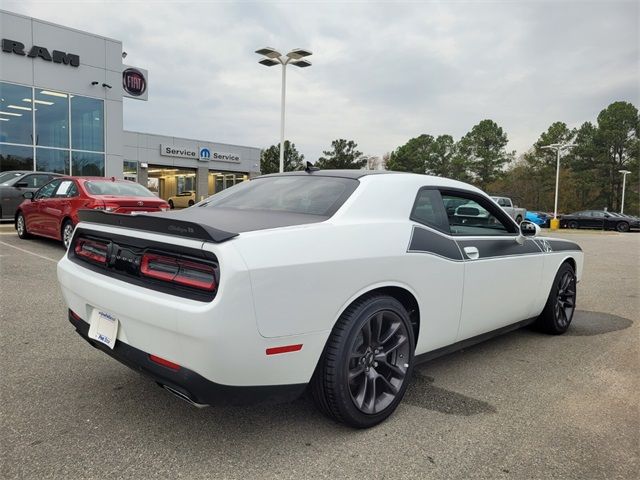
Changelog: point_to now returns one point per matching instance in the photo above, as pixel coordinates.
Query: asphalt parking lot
(523, 405)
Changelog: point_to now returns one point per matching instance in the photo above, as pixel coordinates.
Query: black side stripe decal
(426, 241)
(563, 245)
(491, 248)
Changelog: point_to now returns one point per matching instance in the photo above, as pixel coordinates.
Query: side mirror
(28, 195)
(21, 185)
(527, 229)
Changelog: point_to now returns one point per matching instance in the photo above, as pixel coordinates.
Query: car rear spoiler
(156, 224)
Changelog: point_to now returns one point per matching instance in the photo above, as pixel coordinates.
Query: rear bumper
(188, 384)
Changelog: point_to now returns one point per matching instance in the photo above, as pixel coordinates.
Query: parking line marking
(30, 253)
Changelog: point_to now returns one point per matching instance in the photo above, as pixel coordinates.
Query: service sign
(135, 82)
(177, 151)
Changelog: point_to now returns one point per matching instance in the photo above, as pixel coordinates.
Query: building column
(202, 182)
(143, 176)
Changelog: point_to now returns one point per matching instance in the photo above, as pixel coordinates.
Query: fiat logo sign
(133, 82)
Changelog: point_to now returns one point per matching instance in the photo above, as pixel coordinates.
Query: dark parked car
(599, 219)
(13, 184)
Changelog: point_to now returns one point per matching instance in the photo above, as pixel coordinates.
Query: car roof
(355, 174)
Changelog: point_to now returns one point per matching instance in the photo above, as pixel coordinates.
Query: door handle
(472, 253)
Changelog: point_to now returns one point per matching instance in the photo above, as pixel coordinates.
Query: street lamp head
(298, 53)
(624, 171)
(551, 146)
(269, 52)
(268, 62)
(301, 63)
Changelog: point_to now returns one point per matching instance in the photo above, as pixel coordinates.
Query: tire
(561, 304)
(355, 383)
(518, 219)
(66, 233)
(21, 227)
(622, 227)
(171, 204)
(191, 203)
(572, 224)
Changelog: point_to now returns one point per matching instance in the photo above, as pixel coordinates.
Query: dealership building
(61, 110)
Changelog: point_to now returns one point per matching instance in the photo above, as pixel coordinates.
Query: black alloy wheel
(378, 363)
(622, 227)
(367, 363)
(561, 303)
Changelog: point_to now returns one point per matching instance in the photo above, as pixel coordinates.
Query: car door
(436, 271)
(33, 216)
(501, 276)
(13, 196)
(52, 209)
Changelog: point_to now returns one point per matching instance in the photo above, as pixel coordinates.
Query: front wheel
(367, 363)
(622, 227)
(573, 224)
(561, 303)
(21, 227)
(171, 206)
(191, 203)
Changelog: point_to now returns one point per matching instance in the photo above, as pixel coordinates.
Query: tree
(342, 156)
(484, 148)
(411, 156)
(270, 158)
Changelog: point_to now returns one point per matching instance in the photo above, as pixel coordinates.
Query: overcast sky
(382, 72)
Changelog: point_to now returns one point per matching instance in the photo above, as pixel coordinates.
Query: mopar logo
(205, 153)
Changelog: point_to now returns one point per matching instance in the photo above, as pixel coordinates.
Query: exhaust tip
(183, 396)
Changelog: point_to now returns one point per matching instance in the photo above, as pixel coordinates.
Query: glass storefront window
(51, 160)
(13, 157)
(87, 124)
(218, 181)
(16, 120)
(52, 118)
(87, 164)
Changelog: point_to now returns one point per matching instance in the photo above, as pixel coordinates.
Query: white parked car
(182, 200)
(340, 281)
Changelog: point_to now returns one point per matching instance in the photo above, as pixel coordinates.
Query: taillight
(176, 270)
(91, 250)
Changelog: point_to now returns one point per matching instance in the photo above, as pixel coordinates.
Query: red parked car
(52, 211)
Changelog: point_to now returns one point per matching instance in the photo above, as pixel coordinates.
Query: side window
(468, 215)
(66, 189)
(427, 209)
(47, 190)
(597, 214)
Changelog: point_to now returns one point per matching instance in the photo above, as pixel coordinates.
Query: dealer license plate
(103, 327)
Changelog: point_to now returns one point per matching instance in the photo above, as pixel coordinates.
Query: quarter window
(466, 216)
(427, 209)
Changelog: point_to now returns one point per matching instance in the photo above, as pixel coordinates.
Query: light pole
(273, 57)
(624, 184)
(558, 147)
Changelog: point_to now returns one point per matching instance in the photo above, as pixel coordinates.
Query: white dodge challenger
(339, 281)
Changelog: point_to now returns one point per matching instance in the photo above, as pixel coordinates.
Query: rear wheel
(622, 227)
(21, 227)
(561, 303)
(67, 233)
(367, 363)
(572, 224)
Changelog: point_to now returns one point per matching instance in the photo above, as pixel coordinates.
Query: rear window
(311, 195)
(119, 189)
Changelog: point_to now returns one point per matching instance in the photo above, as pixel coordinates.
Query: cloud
(382, 72)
